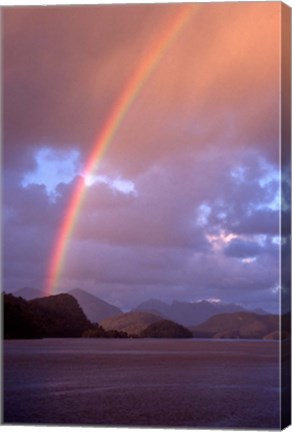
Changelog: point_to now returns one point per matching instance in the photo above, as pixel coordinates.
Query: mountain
(187, 313)
(132, 323)
(259, 311)
(243, 325)
(61, 316)
(28, 293)
(18, 321)
(166, 329)
(157, 307)
(54, 316)
(94, 308)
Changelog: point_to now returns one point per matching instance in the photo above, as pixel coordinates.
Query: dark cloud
(242, 249)
(259, 222)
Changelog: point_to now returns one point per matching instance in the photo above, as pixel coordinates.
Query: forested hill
(242, 325)
(54, 316)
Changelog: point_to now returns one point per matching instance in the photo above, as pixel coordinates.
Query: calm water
(182, 383)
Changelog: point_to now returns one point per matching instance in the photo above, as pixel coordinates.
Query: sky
(184, 202)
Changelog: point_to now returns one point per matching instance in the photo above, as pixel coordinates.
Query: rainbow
(143, 71)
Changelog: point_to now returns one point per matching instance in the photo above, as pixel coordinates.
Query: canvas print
(146, 152)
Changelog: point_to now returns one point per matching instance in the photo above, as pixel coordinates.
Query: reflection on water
(198, 383)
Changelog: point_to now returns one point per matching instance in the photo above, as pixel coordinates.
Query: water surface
(142, 382)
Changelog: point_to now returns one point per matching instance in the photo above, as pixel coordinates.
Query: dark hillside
(54, 316)
(19, 320)
(166, 329)
(60, 316)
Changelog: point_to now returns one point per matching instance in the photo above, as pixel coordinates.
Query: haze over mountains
(94, 308)
(153, 318)
(182, 312)
(28, 293)
(186, 313)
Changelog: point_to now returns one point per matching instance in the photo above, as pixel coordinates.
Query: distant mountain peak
(28, 293)
(94, 308)
(154, 301)
(214, 301)
(188, 313)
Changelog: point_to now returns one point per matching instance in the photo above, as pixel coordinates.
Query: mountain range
(55, 316)
(188, 314)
